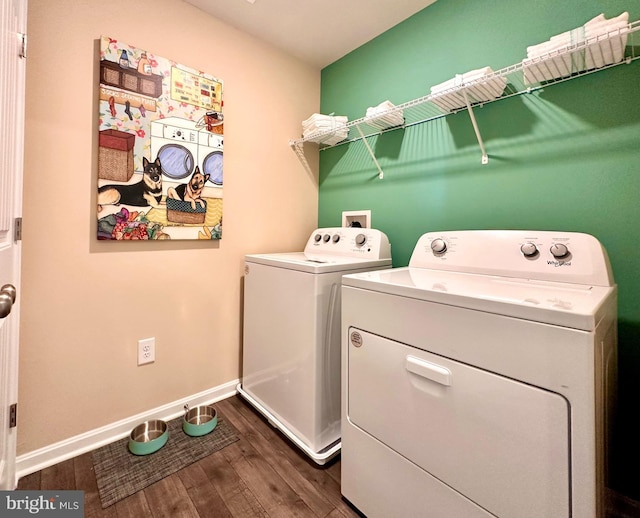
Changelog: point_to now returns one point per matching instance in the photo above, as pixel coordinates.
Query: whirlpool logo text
(559, 263)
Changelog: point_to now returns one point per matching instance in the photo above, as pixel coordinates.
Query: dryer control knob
(439, 246)
(529, 249)
(326, 238)
(317, 238)
(361, 239)
(558, 250)
(335, 238)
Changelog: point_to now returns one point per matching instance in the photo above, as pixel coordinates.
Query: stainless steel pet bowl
(148, 437)
(200, 420)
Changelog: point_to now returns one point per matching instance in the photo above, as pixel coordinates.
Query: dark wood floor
(259, 475)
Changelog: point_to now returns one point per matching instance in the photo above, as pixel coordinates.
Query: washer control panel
(543, 255)
(348, 241)
(174, 128)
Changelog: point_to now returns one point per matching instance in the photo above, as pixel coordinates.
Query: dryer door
(212, 165)
(177, 161)
(501, 443)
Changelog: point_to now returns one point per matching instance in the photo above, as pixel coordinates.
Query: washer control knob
(317, 238)
(529, 249)
(439, 246)
(326, 238)
(558, 250)
(336, 238)
(361, 239)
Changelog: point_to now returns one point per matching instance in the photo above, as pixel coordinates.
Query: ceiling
(316, 31)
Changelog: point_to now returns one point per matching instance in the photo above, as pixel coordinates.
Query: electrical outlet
(146, 351)
(356, 218)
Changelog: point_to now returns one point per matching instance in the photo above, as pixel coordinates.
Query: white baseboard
(49, 455)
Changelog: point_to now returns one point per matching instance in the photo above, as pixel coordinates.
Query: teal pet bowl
(200, 420)
(148, 437)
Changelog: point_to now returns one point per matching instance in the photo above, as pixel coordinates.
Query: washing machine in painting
(175, 142)
(210, 152)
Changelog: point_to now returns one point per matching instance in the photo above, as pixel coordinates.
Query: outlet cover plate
(146, 351)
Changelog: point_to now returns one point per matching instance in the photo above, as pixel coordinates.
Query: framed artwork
(160, 147)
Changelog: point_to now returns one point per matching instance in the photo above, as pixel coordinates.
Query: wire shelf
(606, 50)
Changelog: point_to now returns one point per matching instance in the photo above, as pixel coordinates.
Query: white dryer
(291, 339)
(478, 381)
(210, 155)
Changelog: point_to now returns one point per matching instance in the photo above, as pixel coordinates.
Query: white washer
(176, 142)
(478, 381)
(291, 342)
(181, 145)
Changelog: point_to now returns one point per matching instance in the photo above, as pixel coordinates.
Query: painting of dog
(145, 193)
(191, 191)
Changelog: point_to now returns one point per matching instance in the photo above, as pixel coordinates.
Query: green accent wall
(566, 157)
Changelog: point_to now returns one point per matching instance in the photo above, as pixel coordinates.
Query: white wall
(86, 303)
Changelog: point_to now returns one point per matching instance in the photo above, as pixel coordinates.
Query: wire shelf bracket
(485, 158)
(371, 153)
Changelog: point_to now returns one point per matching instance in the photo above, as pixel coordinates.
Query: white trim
(74, 446)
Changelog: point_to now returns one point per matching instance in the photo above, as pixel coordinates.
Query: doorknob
(7, 298)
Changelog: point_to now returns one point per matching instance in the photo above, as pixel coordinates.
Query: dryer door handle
(429, 370)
